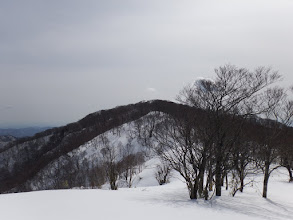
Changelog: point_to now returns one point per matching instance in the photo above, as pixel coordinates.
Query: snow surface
(149, 201)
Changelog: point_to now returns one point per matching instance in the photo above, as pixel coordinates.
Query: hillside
(6, 139)
(32, 154)
(72, 155)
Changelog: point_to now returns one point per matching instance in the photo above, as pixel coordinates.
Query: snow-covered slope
(33, 154)
(5, 139)
(124, 140)
(148, 201)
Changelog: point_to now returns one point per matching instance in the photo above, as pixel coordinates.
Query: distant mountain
(23, 132)
(24, 161)
(74, 155)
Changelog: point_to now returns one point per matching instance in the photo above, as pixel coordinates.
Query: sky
(61, 60)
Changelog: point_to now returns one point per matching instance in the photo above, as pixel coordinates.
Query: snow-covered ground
(150, 201)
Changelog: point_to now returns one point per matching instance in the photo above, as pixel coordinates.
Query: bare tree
(179, 146)
(276, 120)
(163, 173)
(128, 163)
(234, 92)
(110, 166)
(286, 150)
(109, 162)
(241, 158)
(286, 154)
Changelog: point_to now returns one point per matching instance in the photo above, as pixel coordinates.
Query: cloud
(150, 89)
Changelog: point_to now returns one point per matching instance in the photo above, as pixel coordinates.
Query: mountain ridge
(31, 154)
(22, 159)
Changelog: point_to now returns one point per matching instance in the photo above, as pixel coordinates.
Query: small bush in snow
(163, 173)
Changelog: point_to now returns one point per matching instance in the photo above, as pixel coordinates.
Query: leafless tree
(128, 163)
(179, 146)
(163, 172)
(234, 92)
(109, 162)
(285, 115)
(286, 154)
(276, 121)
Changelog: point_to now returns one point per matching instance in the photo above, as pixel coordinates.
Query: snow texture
(148, 201)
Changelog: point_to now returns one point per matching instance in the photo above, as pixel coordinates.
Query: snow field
(148, 201)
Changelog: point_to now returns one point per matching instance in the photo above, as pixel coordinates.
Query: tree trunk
(241, 180)
(222, 179)
(266, 180)
(290, 173)
(218, 174)
(218, 178)
(227, 184)
(200, 183)
(210, 180)
(201, 176)
(193, 188)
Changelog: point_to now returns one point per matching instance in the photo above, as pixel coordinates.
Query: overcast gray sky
(61, 60)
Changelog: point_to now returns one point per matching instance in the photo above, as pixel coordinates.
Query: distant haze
(60, 60)
(22, 132)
